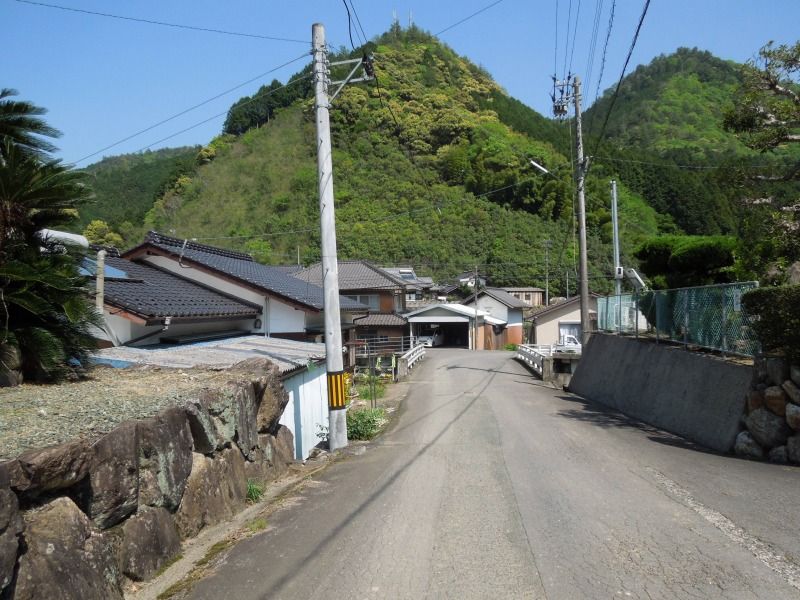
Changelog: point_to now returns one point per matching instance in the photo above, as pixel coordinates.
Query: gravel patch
(35, 416)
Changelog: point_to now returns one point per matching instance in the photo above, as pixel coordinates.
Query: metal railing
(534, 356)
(383, 346)
(708, 316)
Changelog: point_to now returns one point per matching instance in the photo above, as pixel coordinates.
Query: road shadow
(600, 415)
(348, 518)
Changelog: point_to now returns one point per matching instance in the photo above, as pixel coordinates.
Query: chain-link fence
(710, 316)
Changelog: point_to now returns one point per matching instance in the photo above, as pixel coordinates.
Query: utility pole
(560, 110)
(475, 292)
(615, 227)
(337, 413)
(584, 266)
(547, 245)
(337, 410)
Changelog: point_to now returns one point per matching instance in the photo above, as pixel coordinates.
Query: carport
(456, 321)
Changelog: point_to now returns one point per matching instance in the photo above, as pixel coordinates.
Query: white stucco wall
(281, 317)
(125, 330)
(307, 409)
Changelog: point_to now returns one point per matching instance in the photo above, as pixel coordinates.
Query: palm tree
(45, 310)
(20, 123)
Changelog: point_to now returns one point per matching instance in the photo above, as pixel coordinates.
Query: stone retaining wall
(772, 415)
(79, 519)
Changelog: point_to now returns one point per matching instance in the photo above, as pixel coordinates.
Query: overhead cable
(163, 23)
(621, 76)
(191, 108)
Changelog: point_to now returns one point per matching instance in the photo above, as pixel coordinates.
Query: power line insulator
(366, 61)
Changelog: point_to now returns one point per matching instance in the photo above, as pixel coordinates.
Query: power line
(349, 24)
(574, 35)
(183, 112)
(603, 62)
(593, 43)
(622, 75)
(162, 23)
(216, 116)
(683, 166)
(358, 21)
(467, 18)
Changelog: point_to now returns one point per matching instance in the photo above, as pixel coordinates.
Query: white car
(435, 338)
(569, 343)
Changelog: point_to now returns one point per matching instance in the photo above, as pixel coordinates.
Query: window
(569, 328)
(371, 300)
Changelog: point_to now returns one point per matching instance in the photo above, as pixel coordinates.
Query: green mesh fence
(709, 316)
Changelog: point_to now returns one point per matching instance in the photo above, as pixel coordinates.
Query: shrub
(776, 312)
(255, 490)
(365, 424)
(510, 347)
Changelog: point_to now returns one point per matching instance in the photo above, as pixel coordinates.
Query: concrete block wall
(697, 396)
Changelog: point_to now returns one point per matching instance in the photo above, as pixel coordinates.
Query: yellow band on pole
(336, 393)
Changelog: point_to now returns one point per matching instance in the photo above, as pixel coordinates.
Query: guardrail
(533, 355)
(408, 360)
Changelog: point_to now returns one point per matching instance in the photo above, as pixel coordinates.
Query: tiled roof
(409, 277)
(504, 297)
(380, 320)
(354, 275)
(243, 268)
(152, 293)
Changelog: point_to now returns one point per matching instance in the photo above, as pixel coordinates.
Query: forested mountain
(431, 168)
(126, 186)
(674, 105)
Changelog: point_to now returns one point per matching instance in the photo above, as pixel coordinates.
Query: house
(418, 290)
(531, 296)
(468, 279)
(553, 322)
(458, 322)
(144, 304)
(362, 282)
(288, 307)
(301, 366)
(500, 304)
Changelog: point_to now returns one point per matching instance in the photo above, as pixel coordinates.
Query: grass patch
(365, 424)
(255, 491)
(510, 347)
(168, 564)
(257, 525)
(214, 551)
(365, 391)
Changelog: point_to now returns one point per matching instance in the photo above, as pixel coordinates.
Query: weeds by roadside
(365, 424)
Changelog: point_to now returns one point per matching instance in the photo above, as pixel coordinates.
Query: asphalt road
(490, 485)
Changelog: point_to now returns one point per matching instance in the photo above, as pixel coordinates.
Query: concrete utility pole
(615, 227)
(584, 267)
(337, 412)
(475, 292)
(547, 245)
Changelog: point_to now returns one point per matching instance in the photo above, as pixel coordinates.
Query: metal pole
(337, 410)
(617, 265)
(475, 291)
(584, 267)
(547, 245)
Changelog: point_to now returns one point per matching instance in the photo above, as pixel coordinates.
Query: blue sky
(103, 79)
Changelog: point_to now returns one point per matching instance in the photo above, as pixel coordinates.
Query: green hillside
(675, 103)
(431, 170)
(126, 186)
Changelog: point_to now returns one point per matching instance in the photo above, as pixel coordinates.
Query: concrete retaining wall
(80, 519)
(696, 396)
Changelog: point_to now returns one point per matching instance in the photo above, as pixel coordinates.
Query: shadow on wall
(607, 418)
